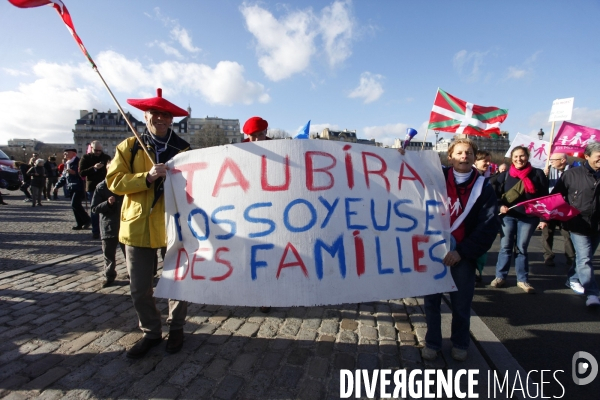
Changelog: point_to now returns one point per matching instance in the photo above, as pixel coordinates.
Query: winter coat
(38, 176)
(580, 189)
(143, 210)
(505, 182)
(92, 175)
(73, 182)
(110, 214)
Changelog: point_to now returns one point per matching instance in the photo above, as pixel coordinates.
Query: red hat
(254, 125)
(158, 103)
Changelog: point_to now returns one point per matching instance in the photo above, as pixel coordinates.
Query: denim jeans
(464, 278)
(582, 270)
(515, 231)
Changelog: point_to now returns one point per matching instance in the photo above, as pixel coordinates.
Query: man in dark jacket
(580, 186)
(474, 224)
(93, 168)
(71, 179)
(108, 205)
(51, 177)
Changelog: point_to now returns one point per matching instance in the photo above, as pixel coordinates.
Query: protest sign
(572, 138)
(301, 223)
(538, 149)
(562, 110)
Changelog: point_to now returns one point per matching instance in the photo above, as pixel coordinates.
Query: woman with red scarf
(521, 182)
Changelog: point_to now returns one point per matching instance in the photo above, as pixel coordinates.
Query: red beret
(254, 125)
(159, 104)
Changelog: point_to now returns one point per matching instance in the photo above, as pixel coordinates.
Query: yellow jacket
(142, 225)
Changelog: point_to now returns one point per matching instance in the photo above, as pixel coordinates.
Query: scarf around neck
(458, 196)
(522, 175)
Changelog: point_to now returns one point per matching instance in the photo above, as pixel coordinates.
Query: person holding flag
(140, 179)
(521, 182)
(580, 187)
(474, 227)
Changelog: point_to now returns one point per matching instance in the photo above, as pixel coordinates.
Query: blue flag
(303, 134)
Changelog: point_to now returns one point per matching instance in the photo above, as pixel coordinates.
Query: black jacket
(110, 215)
(73, 182)
(481, 224)
(504, 182)
(580, 189)
(86, 169)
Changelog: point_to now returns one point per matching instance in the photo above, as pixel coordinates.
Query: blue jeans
(515, 231)
(464, 278)
(582, 270)
(94, 216)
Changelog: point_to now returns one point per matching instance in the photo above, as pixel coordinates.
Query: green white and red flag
(451, 114)
(64, 14)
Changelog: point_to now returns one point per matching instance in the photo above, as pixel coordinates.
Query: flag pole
(429, 120)
(139, 139)
(550, 150)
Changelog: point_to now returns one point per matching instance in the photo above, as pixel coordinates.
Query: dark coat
(110, 215)
(73, 182)
(87, 170)
(504, 182)
(580, 189)
(38, 176)
(51, 169)
(481, 224)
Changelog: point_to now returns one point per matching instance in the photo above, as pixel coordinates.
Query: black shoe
(77, 228)
(265, 310)
(3, 203)
(143, 346)
(107, 282)
(86, 226)
(175, 341)
(39, 204)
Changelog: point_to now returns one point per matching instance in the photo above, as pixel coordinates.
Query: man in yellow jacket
(143, 230)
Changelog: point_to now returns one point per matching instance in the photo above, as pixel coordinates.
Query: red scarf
(458, 197)
(522, 175)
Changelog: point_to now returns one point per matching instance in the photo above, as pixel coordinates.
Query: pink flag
(549, 207)
(572, 138)
(64, 14)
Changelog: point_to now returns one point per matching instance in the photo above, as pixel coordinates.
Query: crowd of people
(127, 211)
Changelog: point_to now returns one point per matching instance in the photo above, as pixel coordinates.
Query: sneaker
(527, 288)
(143, 346)
(459, 354)
(576, 287)
(498, 283)
(592, 301)
(428, 354)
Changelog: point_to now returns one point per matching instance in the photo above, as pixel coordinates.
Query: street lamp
(24, 152)
(436, 139)
(541, 134)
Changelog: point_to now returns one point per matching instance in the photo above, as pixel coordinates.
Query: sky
(369, 66)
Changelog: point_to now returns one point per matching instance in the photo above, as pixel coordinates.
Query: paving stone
(290, 327)
(232, 324)
(325, 345)
(244, 362)
(46, 379)
(368, 332)
(387, 332)
(232, 347)
(185, 374)
(349, 324)
(258, 385)
(343, 361)
(318, 367)
(298, 356)
(228, 387)
(216, 370)
(248, 329)
(311, 390)
(329, 327)
(198, 389)
(289, 376)
(165, 392)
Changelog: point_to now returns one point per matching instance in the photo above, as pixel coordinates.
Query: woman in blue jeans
(521, 182)
(473, 217)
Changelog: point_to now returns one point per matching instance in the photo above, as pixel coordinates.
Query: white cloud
(183, 37)
(468, 64)
(285, 46)
(170, 51)
(319, 127)
(369, 88)
(177, 33)
(336, 28)
(526, 69)
(14, 72)
(516, 73)
(46, 107)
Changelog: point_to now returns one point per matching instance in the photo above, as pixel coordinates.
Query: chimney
(83, 113)
(95, 113)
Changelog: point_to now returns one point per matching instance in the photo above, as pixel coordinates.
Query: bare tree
(277, 133)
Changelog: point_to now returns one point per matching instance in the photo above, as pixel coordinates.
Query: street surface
(63, 336)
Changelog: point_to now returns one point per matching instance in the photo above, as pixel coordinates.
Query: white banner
(562, 109)
(539, 150)
(302, 223)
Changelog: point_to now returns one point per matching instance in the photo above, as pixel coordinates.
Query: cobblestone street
(63, 336)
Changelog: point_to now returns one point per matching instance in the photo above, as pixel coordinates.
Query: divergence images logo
(580, 367)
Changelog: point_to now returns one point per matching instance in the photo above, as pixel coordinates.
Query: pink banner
(549, 207)
(572, 138)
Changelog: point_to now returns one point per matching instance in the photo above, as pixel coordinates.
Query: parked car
(9, 175)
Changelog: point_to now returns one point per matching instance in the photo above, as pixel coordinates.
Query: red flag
(549, 207)
(451, 114)
(64, 14)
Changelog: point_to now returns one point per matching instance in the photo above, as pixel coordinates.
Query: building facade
(343, 136)
(412, 145)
